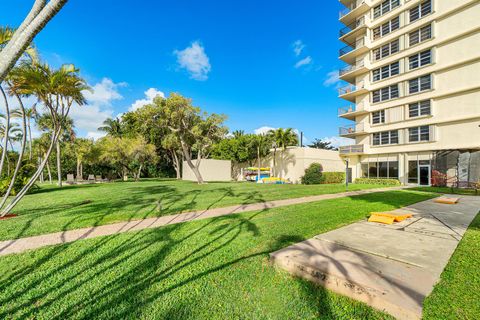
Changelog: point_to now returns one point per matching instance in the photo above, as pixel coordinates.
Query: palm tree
(6, 34)
(20, 39)
(46, 123)
(30, 113)
(261, 142)
(238, 133)
(57, 90)
(282, 138)
(112, 127)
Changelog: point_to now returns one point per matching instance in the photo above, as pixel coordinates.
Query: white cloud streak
(195, 61)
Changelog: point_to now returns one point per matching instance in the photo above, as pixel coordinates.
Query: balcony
(349, 52)
(351, 150)
(352, 130)
(351, 111)
(352, 10)
(350, 92)
(351, 32)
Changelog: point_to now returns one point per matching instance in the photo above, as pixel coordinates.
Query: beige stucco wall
(291, 163)
(455, 95)
(210, 169)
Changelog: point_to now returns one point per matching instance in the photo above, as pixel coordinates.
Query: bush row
(333, 177)
(385, 182)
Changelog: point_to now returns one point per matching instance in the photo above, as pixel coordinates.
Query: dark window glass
(393, 137)
(383, 169)
(425, 133)
(372, 170)
(413, 135)
(364, 170)
(393, 172)
(376, 139)
(412, 172)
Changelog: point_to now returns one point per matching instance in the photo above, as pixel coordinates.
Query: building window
(420, 35)
(420, 59)
(420, 11)
(420, 84)
(381, 169)
(419, 134)
(385, 138)
(413, 172)
(386, 71)
(384, 94)
(386, 50)
(385, 7)
(378, 117)
(418, 109)
(386, 28)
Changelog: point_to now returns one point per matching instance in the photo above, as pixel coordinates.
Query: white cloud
(304, 62)
(150, 94)
(339, 141)
(263, 130)
(99, 106)
(332, 78)
(195, 61)
(298, 47)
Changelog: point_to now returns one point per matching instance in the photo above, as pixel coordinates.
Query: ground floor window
(380, 170)
(419, 172)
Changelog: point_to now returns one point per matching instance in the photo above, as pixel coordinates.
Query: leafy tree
(313, 174)
(196, 131)
(322, 144)
(17, 41)
(239, 148)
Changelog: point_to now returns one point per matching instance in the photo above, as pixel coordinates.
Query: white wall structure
(292, 162)
(210, 169)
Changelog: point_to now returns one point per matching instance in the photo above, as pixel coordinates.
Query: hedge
(333, 177)
(313, 174)
(385, 182)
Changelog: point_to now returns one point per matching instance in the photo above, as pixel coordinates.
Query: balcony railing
(357, 24)
(354, 128)
(349, 48)
(350, 88)
(350, 109)
(351, 68)
(357, 148)
(353, 6)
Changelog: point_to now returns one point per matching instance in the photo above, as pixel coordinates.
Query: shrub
(384, 182)
(26, 171)
(333, 177)
(313, 174)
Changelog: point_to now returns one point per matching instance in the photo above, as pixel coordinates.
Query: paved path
(391, 268)
(23, 244)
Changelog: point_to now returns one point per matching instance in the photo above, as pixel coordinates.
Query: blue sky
(262, 63)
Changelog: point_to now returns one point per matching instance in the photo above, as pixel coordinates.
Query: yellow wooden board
(447, 200)
(381, 219)
(397, 218)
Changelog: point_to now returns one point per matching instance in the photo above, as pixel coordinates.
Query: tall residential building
(413, 93)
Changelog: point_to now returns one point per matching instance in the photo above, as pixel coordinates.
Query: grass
(207, 269)
(456, 296)
(447, 190)
(51, 209)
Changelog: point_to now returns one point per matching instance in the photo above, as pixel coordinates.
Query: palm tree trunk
(20, 154)
(49, 172)
(258, 169)
(7, 129)
(29, 139)
(36, 20)
(59, 164)
(33, 179)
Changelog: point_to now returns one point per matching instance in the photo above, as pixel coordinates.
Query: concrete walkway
(35, 242)
(390, 267)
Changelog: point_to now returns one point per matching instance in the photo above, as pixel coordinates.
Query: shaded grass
(51, 209)
(457, 295)
(207, 269)
(447, 190)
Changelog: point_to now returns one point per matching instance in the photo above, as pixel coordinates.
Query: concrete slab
(390, 267)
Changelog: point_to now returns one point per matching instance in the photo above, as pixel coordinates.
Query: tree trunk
(29, 139)
(20, 154)
(36, 20)
(139, 172)
(79, 163)
(258, 169)
(59, 164)
(275, 162)
(33, 179)
(176, 164)
(7, 129)
(194, 168)
(49, 172)
(42, 179)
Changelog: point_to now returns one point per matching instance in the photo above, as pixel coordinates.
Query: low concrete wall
(291, 163)
(210, 169)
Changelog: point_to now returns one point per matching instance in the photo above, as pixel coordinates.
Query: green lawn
(207, 269)
(447, 190)
(51, 209)
(457, 295)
